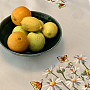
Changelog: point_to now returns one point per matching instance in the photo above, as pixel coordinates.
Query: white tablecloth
(16, 72)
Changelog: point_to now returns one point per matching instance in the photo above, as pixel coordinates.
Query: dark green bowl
(7, 26)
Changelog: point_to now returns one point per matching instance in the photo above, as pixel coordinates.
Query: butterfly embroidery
(36, 85)
(62, 59)
(61, 5)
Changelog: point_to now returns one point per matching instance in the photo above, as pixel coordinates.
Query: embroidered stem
(61, 81)
(75, 88)
(76, 74)
(54, 75)
(85, 65)
(64, 76)
(65, 85)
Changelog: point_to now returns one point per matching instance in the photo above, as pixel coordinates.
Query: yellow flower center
(88, 72)
(73, 80)
(79, 58)
(53, 83)
(48, 70)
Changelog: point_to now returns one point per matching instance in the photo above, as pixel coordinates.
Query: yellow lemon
(31, 24)
(50, 29)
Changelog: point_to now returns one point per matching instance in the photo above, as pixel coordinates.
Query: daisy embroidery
(52, 84)
(73, 81)
(48, 71)
(86, 85)
(61, 3)
(80, 59)
(74, 69)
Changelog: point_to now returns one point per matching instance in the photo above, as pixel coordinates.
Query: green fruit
(31, 24)
(37, 41)
(19, 28)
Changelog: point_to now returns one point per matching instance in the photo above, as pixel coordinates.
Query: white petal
(77, 68)
(77, 83)
(52, 88)
(58, 67)
(77, 61)
(53, 79)
(49, 88)
(50, 80)
(84, 88)
(58, 80)
(51, 68)
(84, 58)
(71, 85)
(80, 55)
(45, 73)
(74, 76)
(76, 56)
(68, 83)
(79, 80)
(45, 85)
(58, 85)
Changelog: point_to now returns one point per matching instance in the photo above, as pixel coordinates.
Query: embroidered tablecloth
(66, 66)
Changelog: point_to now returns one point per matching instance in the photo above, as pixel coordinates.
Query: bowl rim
(38, 53)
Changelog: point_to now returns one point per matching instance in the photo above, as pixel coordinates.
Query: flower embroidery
(73, 69)
(73, 81)
(53, 84)
(48, 71)
(85, 87)
(80, 59)
(61, 3)
(76, 79)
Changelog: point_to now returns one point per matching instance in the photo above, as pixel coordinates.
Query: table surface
(16, 72)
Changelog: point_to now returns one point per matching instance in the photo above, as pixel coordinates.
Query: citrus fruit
(18, 42)
(41, 22)
(50, 29)
(31, 24)
(19, 29)
(37, 41)
(19, 13)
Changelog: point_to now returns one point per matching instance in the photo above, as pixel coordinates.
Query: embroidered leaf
(84, 73)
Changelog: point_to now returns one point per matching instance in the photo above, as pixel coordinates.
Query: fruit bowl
(7, 26)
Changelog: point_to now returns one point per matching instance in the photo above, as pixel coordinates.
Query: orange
(18, 42)
(19, 13)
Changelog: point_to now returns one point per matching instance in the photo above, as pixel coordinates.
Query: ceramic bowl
(6, 27)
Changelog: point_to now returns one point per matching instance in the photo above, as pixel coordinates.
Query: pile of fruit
(29, 31)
